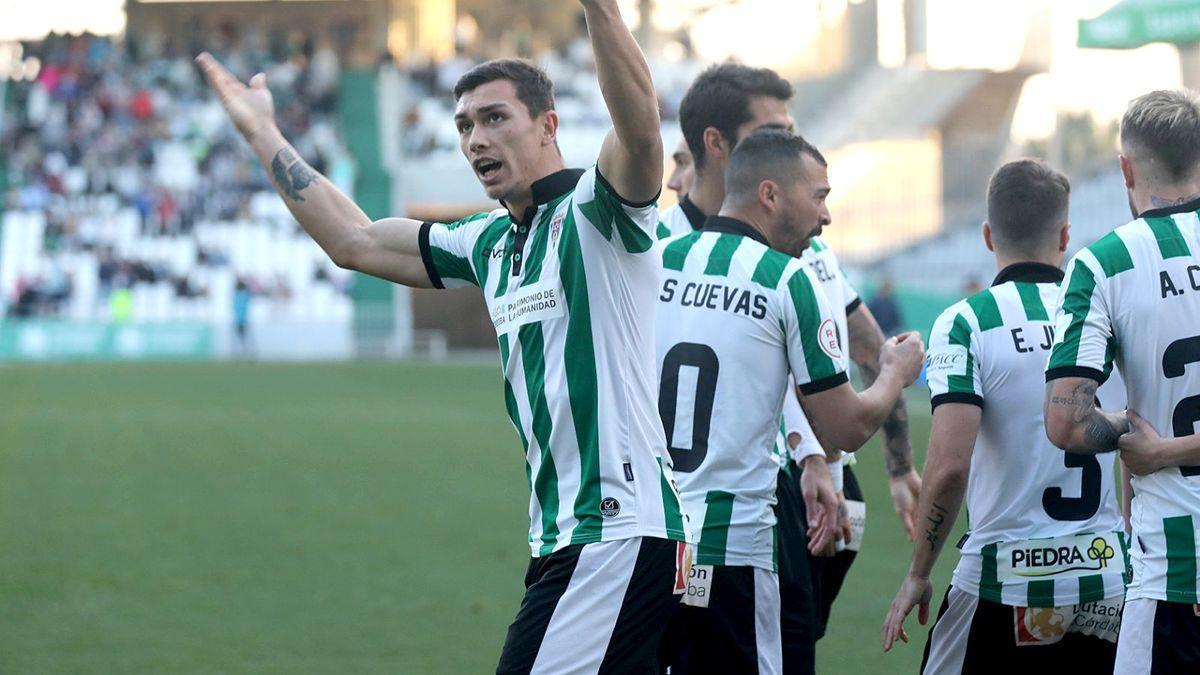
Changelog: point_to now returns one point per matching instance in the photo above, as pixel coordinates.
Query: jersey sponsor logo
(609, 507)
(827, 337)
(494, 253)
(1062, 557)
(947, 358)
(699, 586)
(527, 304)
(715, 296)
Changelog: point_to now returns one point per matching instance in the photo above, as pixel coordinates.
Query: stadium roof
(1134, 23)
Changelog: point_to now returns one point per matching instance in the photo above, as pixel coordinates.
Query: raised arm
(866, 339)
(632, 156)
(387, 248)
(951, 442)
(1074, 422)
(843, 418)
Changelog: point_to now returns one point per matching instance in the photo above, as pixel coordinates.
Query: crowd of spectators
(110, 125)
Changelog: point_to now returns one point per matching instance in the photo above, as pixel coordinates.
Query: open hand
(913, 592)
(250, 107)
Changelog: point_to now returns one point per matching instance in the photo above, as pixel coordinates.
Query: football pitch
(244, 518)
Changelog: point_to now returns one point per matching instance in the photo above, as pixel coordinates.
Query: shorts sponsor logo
(827, 337)
(609, 507)
(699, 586)
(1059, 557)
(683, 566)
(857, 512)
(1101, 619)
(1039, 625)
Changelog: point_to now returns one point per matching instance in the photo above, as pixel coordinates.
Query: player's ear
(714, 144)
(1064, 238)
(768, 194)
(987, 236)
(549, 127)
(1127, 171)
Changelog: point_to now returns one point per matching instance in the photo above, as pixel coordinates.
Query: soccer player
(1040, 578)
(682, 176)
(724, 104)
(569, 270)
(1133, 299)
(738, 312)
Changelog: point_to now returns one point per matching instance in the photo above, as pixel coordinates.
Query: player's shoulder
(478, 220)
(773, 270)
(978, 313)
(1140, 240)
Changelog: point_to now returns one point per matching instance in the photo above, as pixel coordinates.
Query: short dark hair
(1027, 205)
(1166, 124)
(534, 88)
(766, 154)
(720, 98)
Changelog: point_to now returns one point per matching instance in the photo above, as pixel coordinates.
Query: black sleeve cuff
(824, 384)
(633, 205)
(955, 397)
(1076, 371)
(427, 255)
(854, 304)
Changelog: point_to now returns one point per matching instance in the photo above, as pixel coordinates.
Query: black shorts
(973, 635)
(828, 574)
(598, 607)
(799, 603)
(1159, 637)
(736, 632)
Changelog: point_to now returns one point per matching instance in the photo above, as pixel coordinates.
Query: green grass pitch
(303, 519)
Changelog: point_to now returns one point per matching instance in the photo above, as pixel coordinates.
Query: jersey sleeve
(952, 361)
(1083, 336)
(849, 293)
(446, 250)
(814, 347)
(632, 227)
(796, 422)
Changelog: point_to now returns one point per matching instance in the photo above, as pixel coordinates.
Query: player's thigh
(1159, 638)
(738, 631)
(593, 605)
(946, 646)
(798, 602)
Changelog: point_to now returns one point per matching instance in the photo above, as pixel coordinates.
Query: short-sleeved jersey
(1133, 299)
(683, 218)
(571, 289)
(735, 317)
(1035, 512)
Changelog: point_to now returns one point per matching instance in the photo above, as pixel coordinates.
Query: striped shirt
(683, 218)
(1133, 299)
(570, 288)
(735, 318)
(1043, 524)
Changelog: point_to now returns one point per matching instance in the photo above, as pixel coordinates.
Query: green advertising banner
(67, 341)
(1134, 23)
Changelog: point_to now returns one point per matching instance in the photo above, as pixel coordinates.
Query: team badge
(555, 228)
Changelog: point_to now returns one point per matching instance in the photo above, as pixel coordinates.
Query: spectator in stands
(885, 308)
(241, 316)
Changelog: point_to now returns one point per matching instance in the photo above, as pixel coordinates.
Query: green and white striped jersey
(570, 288)
(735, 317)
(683, 218)
(1133, 298)
(1043, 524)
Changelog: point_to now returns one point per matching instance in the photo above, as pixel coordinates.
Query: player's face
(500, 140)
(682, 176)
(803, 210)
(766, 111)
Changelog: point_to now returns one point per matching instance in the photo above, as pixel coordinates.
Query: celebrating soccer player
(1040, 580)
(726, 103)
(738, 312)
(1133, 298)
(569, 271)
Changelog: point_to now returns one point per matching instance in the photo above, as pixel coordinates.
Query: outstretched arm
(632, 156)
(951, 441)
(866, 339)
(1074, 422)
(387, 248)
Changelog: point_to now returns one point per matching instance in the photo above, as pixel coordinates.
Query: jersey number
(1187, 412)
(704, 360)
(1087, 503)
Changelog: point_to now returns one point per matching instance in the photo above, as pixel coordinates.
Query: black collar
(694, 215)
(1188, 207)
(1033, 272)
(548, 188)
(726, 225)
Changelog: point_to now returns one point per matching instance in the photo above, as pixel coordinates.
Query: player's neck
(747, 218)
(519, 202)
(1053, 259)
(709, 191)
(1166, 196)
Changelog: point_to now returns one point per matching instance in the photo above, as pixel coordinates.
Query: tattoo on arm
(291, 174)
(866, 341)
(1099, 432)
(936, 518)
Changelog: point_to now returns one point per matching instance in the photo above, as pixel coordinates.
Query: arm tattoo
(291, 174)
(865, 342)
(1099, 433)
(936, 518)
